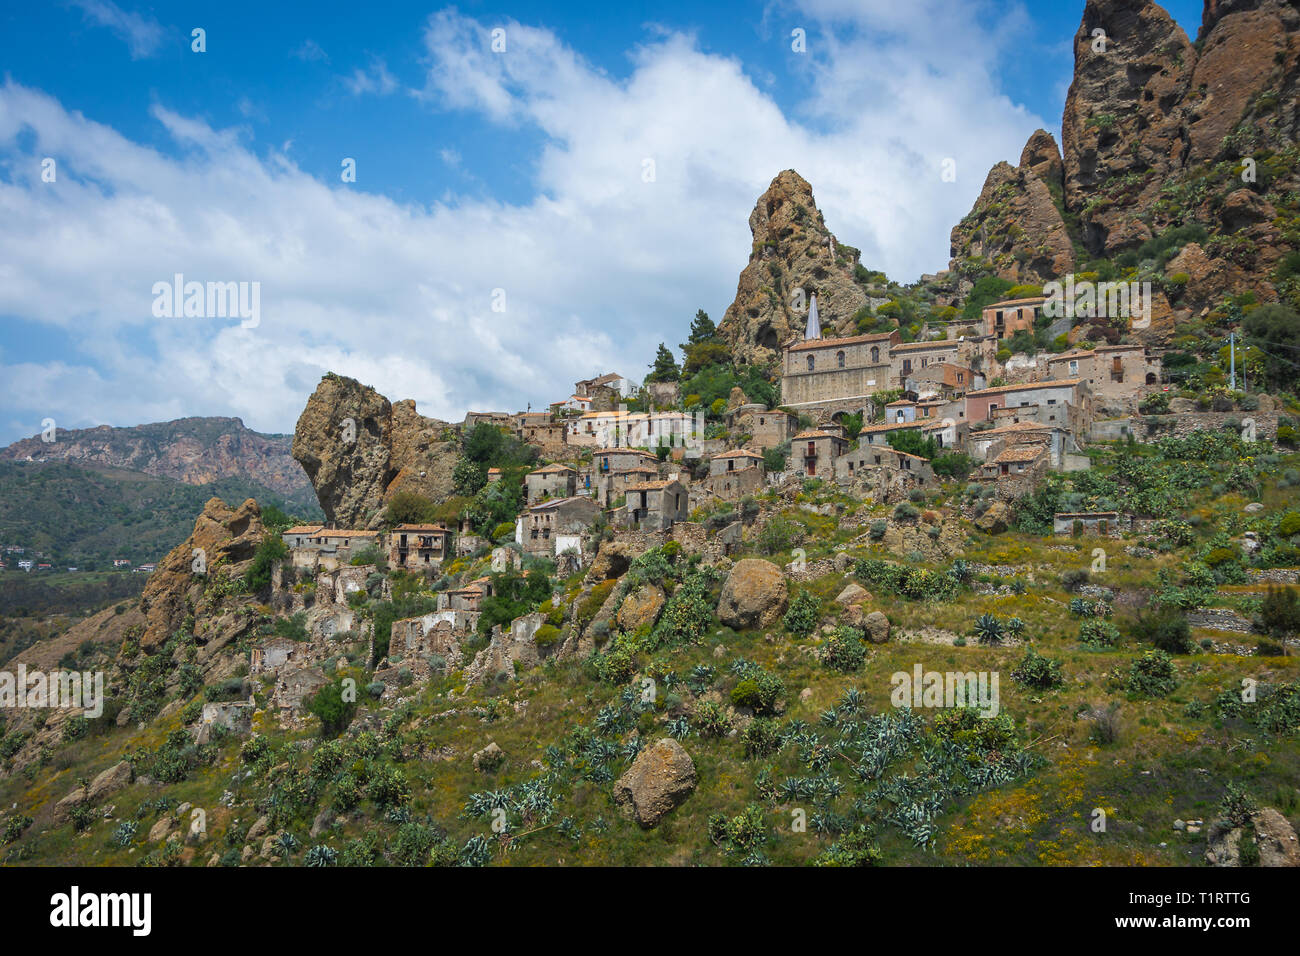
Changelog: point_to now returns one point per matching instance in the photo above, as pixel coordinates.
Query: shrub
(712, 720)
(1152, 675)
(759, 691)
(844, 651)
(761, 738)
(330, 707)
(905, 511)
(1167, 629)
(1035, 670)
(803, 614)
(1098, 633)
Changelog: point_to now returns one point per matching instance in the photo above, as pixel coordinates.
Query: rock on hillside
(193, 450)
(228, 540)
(358, 450)
(1016, 222)
(792, 250)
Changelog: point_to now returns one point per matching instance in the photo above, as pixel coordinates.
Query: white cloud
(596, 270)
(311, 52)
(374, 79)
(142, 35)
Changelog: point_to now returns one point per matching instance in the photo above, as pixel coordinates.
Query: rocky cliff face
(225, 540)
(792, 250)
(193, 450)
(1157, 134)
(358, 450)
(1016, 225)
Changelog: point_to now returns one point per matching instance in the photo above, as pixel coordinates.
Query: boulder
(641, 607)
(853, 594)
(489, 758)
(110, 781)
(63, 809)
(161, 829)
(876, 626)
(661, 777)
(996, 519)
(754, 595)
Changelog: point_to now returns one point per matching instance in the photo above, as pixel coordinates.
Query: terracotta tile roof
(835, 343)
(651, 485)
(421, 527)
(1032, 298)
(553, 469)
(304, 529)
(1017, 427)
(626, 451)
(740, 453)
(345, 533)
(814, 433)
(1021, 453)
(1028, 386)
(922, 346)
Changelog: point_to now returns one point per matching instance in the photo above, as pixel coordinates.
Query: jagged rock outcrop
(1147, 117)
(1016, 222)
(193, 450)
(1247, 71)
(792, 250)
(358, 449)
(1123, 131)
(223, 541)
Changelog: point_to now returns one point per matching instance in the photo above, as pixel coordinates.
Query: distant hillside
(195, 451)
(86, 516)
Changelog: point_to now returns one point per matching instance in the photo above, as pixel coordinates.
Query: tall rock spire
(814, 329)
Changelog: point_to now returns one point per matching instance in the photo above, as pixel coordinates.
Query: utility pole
(1232, 358)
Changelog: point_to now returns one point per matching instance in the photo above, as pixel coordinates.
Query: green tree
(1275, 330)
(702, 330)
(330, 705)
(665, 366)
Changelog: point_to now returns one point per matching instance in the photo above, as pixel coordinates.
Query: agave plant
(1015, 626)
(988, 629)
(679, 727)
(321, 855)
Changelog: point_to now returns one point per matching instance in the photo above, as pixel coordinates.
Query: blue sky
(518, 171)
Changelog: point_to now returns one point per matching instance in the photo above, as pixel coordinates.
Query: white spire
(814, 329)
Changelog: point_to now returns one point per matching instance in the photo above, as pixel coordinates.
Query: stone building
(1104, 523)
(767, 427)
(612, 486)
(1117, 373)
(538, 527)
(655, 505)
(942, 380)
(1004, 319)
(826, 375)
(550, 481)
(813, 452)
(1054, 394)
(862, 462)
(419, 547)
(301, 536)
(735, 474)
(605, 461)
